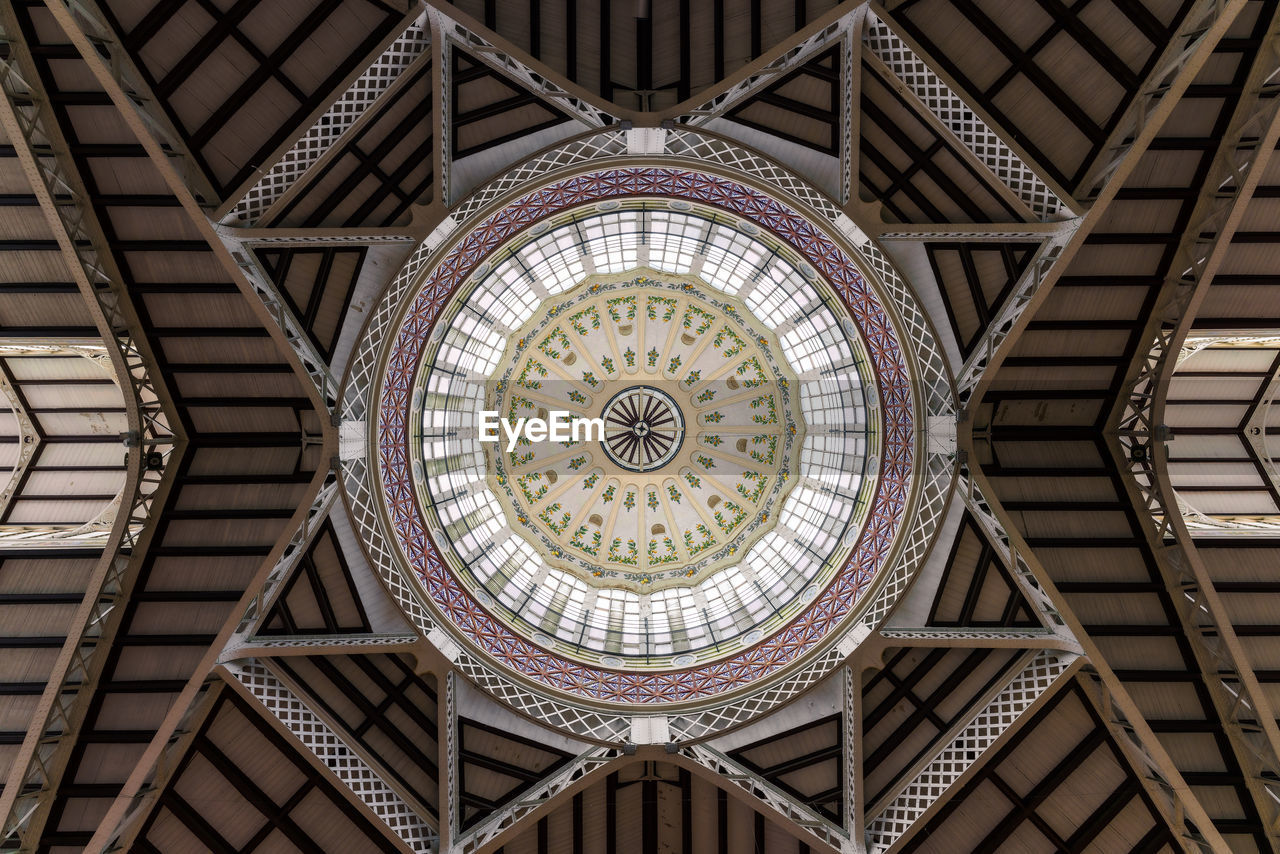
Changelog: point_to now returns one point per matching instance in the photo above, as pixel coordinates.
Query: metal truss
(93, 533)
(442, 87)
(963, 121)
(540, 84)
(844, 838)
(110, 64)
(1255, 430)
(1235, 525)
(451, 33)
(152, 442)
(283, 237)
(803, 817)
(764, 76)
(451, 797)
(295, 333)
(1169, 792)
(1203, 24)
(101, 37)
(1186, 53)
(850, 93)
(573, 775)
(855, 808)
(1147, 756)
(1255, 433)
(28, 440)
(342, 114)
(1136, 434)
(941, 772)
(1039, 273)
(976, 233)
(264, 646)
(985, 638)
(1016, 559)
(346, 764)
(168, 763)
(261, 603)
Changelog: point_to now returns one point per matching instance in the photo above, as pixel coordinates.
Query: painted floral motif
(591, 546)
(753, 367)
(555, 523)
(729, 515)
(760, 481)
(555, 338)
(766, 454)
(526, 484)
(770, 415)
(623, 553)
(533, 383)
(667, 304)
(585, 321)
(728, 335)
(519, 401)
(696, 547)
(622, 308)
(694, 316)
(667, 555)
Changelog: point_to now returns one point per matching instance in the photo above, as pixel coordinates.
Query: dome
(751, 475)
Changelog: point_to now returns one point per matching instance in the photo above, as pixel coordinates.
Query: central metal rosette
(699, 431)
(643, 428)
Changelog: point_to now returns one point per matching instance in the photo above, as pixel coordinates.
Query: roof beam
(1187, 51)
(1136, 438)
(909, 809)
(1147, 756)
(248, 203)
(121, 80)
(31, 124)
(397, 818)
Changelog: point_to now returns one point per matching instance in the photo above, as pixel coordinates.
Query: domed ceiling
(1008, 589)
(752, 466)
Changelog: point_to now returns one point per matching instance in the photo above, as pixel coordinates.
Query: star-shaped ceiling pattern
(1081, 198)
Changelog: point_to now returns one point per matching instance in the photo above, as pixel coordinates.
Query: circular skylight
(752, 467)
(672, 548)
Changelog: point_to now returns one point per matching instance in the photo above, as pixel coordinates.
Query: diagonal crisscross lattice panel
(337, 120)
(961, 120)
(334, 753)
